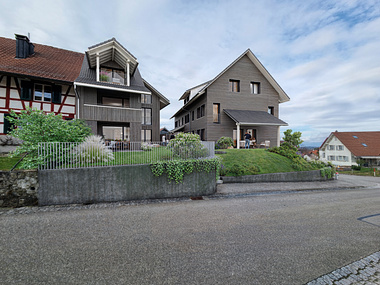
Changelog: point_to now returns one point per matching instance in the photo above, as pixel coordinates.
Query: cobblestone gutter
(365, 271)
(18, 188)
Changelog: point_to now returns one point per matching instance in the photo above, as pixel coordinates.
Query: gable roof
(163, 100)
(87, 77)
(359, 143)
(46, 63)
(111, 50)
(283, 96)
(247, 117)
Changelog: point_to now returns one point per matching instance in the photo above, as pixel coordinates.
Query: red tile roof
(355, 145)
(47, 62)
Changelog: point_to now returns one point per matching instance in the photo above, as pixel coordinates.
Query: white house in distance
(345, 148)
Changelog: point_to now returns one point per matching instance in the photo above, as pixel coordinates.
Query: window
(146, 98)
(146, 135)
(234, 85)
(115, 102)
(146, 116)
(116, 133)
(42, 92)
(192, 115)
(216, 113)
(339, 147)
(187, 119)
(182, 121)
(200, 111)
(342, 158)
(176, 125)
(271, 110)
(202, 135)
(187, 99)
(26, 90)
(255, 87)
(331, 147)
(8, 126)
(111, 75)
(331, 157)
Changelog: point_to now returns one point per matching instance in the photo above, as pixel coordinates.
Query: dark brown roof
(248, 117)
(361, 143)
(47, 62)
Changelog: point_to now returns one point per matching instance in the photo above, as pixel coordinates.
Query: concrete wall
(117, 183)
(18, 188)
(314, 175)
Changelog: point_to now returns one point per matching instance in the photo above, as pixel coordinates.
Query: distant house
(103, 86)
(345, 148)
(244, 97)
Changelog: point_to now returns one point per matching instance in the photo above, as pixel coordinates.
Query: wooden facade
(218, 94)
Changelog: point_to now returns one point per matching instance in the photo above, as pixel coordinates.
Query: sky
(324, 54)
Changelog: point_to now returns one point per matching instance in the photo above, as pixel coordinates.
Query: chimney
(24, 48)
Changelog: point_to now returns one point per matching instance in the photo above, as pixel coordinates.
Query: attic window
(355, 137)
(111, 75)
(364, 145)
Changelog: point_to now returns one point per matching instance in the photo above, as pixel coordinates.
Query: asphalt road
(269, 239)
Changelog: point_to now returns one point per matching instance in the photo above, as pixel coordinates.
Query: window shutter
(57, 92)
(26, 90)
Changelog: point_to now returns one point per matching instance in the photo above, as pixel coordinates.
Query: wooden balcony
(110, 114)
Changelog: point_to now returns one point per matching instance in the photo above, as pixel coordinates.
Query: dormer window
(110, 75)
(187, 99)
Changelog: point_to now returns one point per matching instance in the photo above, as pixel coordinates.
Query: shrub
(93, 150)
(225, 142)
(186, 145)
(33, 126)
(356, 167)
(146, 146)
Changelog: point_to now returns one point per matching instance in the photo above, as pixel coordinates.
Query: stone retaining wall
(18, 188)
(314, 175)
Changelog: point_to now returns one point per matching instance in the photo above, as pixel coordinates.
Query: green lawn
(365, 171)
(238, 162)
(6, 163)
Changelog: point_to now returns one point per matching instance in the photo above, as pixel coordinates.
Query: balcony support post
(128, 75)
(97, 67)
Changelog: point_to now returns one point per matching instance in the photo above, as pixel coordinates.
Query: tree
(292, 141)
(33, 126)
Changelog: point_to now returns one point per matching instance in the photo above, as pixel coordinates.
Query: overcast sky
(324, 54)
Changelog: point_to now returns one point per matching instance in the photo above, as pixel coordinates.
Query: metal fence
(60, 155)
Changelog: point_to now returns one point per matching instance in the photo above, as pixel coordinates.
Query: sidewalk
(343, 182)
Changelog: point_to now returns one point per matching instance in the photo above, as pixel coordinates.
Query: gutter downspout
(78, 105)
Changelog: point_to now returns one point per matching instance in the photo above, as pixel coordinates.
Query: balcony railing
(110, 113)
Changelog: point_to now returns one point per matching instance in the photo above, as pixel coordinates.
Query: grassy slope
(267, 162)
(7, 163)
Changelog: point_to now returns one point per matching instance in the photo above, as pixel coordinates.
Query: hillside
(237, 162)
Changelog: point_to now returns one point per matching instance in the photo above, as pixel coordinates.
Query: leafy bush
(146, 146)
(33, 126)
(225, 142)
(356, 167)
(327, 172)
(186, 146)
(176, 169)
(93, 150)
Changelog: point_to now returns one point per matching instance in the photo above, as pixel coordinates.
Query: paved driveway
(274, 239)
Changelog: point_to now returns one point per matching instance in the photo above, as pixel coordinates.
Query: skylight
(364, 144)
(355, 137)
